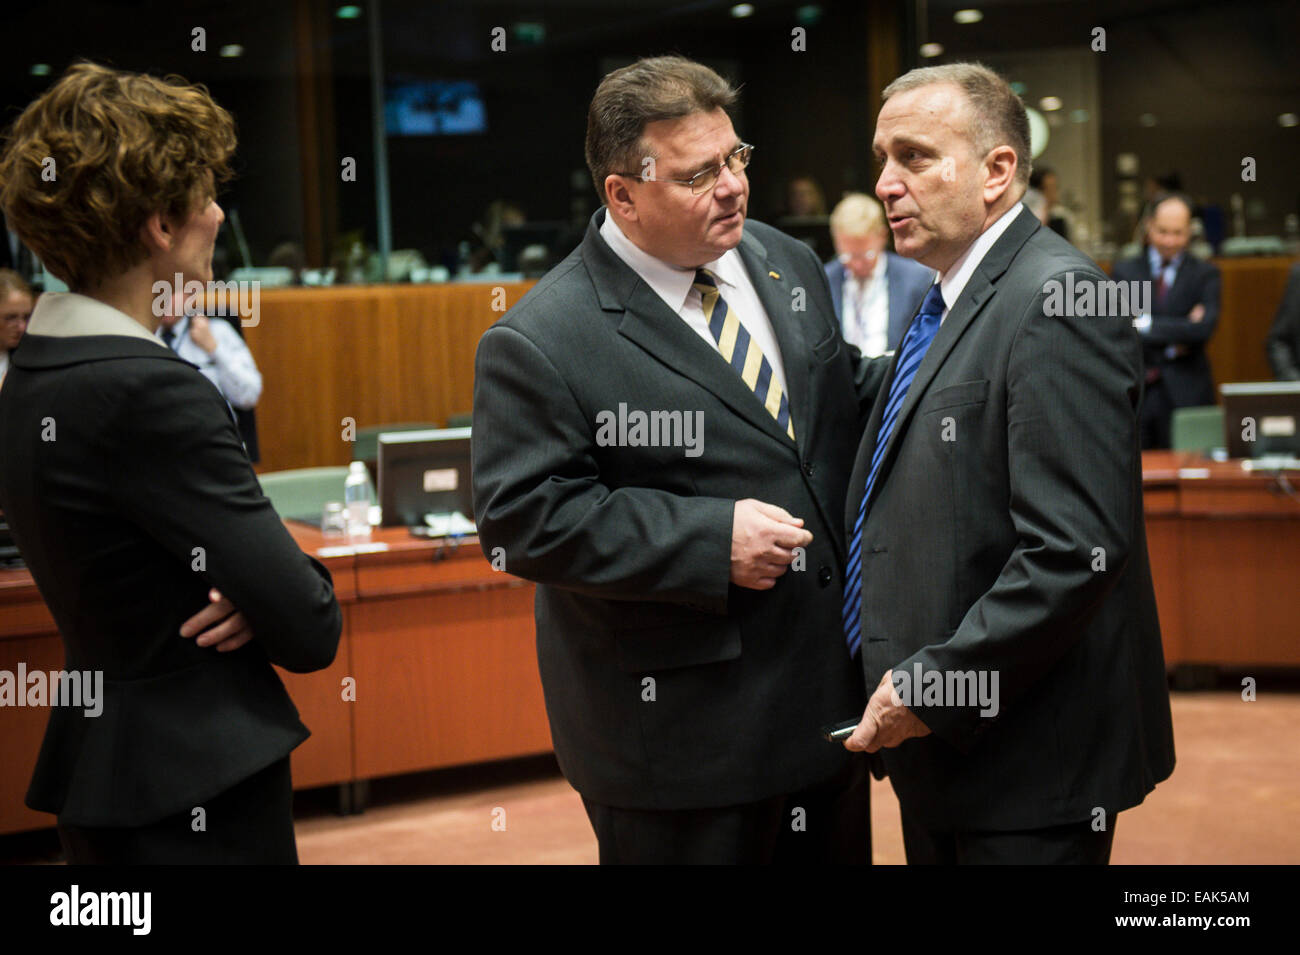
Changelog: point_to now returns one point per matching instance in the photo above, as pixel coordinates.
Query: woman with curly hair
(123, 478)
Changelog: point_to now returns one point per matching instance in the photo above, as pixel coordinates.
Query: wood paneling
(1252, 291)
(387, 353)
(445, 679)
(22, 730)
(374, 354)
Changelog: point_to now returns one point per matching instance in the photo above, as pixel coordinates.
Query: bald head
(1170, 228)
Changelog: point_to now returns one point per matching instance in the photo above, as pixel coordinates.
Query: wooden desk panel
(373, 353)
(326, 757)
(1250, 294)
(1224, 562)
(22, 610)
(1239, 592)
(22, 730)
(446, 679)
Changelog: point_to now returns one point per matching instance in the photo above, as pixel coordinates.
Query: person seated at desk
(875, 293)
(1184, 314)
(15, 310)
(165, 567)
(1284, 337)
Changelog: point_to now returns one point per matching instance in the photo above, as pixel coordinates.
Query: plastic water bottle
(358, 495)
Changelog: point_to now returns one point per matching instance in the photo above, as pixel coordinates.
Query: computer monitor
(1261, 418)
(424, 472)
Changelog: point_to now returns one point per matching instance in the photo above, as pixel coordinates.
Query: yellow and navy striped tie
(741, 351)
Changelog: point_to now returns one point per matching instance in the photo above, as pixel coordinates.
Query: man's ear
(1001, 166)
(619, 198)
(157, 233)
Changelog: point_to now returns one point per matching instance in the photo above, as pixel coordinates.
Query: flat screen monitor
(1261, 418)
(424, 472)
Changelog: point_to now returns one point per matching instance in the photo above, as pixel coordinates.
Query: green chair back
(1197, 429)
(303, 492)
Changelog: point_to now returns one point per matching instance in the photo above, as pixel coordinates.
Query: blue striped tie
(915, 345)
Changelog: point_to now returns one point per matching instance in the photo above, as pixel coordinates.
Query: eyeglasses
(702, 182)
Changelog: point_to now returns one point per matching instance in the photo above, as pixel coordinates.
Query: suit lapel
(1182, 278)
(662, 333)
(978, 291)
(835, 278)
(897, 293)
(772, 283)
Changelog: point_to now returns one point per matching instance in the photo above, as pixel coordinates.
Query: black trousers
(1072, 844)
(829, 823)
(1155, 418)
(249, 824)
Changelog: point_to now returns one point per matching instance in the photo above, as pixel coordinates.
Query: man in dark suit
(1284, 337)
(1184, 314)
(690, 572)
(875, 292)
(999, 589)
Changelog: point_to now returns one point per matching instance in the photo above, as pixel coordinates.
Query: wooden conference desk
(1225, 557)
(441, 650)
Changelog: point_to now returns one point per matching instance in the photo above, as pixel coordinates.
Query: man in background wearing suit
(999, 589)
(875, 292)
(1184, 314)
(689, 574)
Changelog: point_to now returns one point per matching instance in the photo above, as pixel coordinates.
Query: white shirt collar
(66, 314)
(954, 280)
(670, 283)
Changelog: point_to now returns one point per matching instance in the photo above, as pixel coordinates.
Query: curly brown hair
(100, 151)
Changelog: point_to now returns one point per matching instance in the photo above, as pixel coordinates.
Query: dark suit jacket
(1014, 456)
(144, 467)
(631, 546)
(908, 283)
(1187, 377)
(1284, 337)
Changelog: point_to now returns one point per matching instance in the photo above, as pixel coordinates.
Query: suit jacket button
(824, 576)
(808, 468)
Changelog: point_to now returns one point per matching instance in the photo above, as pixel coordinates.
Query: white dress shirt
(866, 309)
(952, 282)
(675, 286)
(231, 367)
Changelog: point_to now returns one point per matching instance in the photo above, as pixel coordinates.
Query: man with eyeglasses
(663, 430)
(875, 292)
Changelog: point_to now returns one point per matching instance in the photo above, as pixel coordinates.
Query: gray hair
(998, 116)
